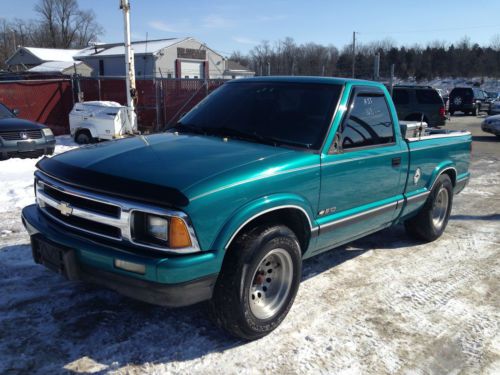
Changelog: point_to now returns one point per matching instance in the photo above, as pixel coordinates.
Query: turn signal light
(178, 234)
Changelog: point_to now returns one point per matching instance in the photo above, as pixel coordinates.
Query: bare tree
(66, 25)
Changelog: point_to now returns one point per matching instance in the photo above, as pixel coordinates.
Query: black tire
(83, 137)
(452, 113)
(475, 112)
(231, 306)
(424, 225)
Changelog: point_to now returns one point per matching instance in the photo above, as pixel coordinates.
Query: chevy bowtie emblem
(65, 209)
(23, 135)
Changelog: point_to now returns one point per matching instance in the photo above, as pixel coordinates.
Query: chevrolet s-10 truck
(223, 207)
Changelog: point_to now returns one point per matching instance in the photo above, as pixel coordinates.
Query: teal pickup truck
(223, 207)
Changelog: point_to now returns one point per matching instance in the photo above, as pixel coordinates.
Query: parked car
(260, 175)
(23, 138)
(469, 100)
(491, 125)
(419, 103)
(494, 108)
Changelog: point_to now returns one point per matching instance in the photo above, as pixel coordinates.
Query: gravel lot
(383, 304)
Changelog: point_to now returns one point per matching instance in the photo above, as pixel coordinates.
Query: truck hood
(157, 168)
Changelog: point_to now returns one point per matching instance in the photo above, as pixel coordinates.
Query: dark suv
(415, 103)
(469, 100)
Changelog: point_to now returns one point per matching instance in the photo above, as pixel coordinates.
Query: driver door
(362, 177)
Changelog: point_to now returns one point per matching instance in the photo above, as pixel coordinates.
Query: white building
(161, 58)
(28, 57)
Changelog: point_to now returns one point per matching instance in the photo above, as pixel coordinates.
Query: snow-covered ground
(16, 176)
(384, 304)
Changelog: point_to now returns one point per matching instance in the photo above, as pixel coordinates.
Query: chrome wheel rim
(440, 208)
(271, 284)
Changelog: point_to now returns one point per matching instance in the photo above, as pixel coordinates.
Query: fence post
(157, 104)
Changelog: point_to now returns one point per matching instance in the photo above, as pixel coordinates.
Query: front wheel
(258, 282)
(430, 223)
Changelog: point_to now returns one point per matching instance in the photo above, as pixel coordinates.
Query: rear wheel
(452, 113)
(430, 223)
(258, 282)
(475, 111)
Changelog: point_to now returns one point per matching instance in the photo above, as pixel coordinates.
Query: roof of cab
(306, 79)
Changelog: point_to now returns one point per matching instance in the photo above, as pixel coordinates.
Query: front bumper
(173, 282)
(28, 148)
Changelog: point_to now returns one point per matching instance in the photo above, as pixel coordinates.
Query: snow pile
(16, 176)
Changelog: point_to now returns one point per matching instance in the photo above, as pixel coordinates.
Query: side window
(369, 122)
(401, 97)
(428, 96)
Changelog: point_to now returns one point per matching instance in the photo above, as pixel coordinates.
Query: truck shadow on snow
(58, 325)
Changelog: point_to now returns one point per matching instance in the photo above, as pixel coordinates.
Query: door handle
(396, 162)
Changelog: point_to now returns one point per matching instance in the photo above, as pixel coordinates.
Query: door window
(369, 122)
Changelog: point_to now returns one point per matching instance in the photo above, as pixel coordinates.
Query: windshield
(279, 113)
(4, 112)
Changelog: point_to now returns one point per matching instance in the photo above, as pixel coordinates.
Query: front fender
(257, 208)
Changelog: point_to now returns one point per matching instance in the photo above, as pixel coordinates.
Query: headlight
(47, 132)
(164, 231)
(157, 227)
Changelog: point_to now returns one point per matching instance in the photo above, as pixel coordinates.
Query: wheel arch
(447, 168)
(294, 212)
(90, 129)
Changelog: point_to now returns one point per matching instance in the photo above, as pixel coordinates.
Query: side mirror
(15, 111)
(336, 147)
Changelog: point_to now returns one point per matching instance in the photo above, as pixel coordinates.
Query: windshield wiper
(241, 134)
(187, 128)
(288, 142)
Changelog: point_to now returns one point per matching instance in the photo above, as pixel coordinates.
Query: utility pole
(129, 65)
(353, 54)
(376, 67)
(268, 68)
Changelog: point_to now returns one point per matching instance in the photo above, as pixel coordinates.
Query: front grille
(20, 135)
(76, 201)
(79, 211)
(88, 225)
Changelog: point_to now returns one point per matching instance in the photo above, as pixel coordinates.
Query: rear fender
(445, 167)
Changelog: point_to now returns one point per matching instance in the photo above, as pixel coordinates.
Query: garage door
(191, 69)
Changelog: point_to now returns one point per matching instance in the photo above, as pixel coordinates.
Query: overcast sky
(232, 25)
